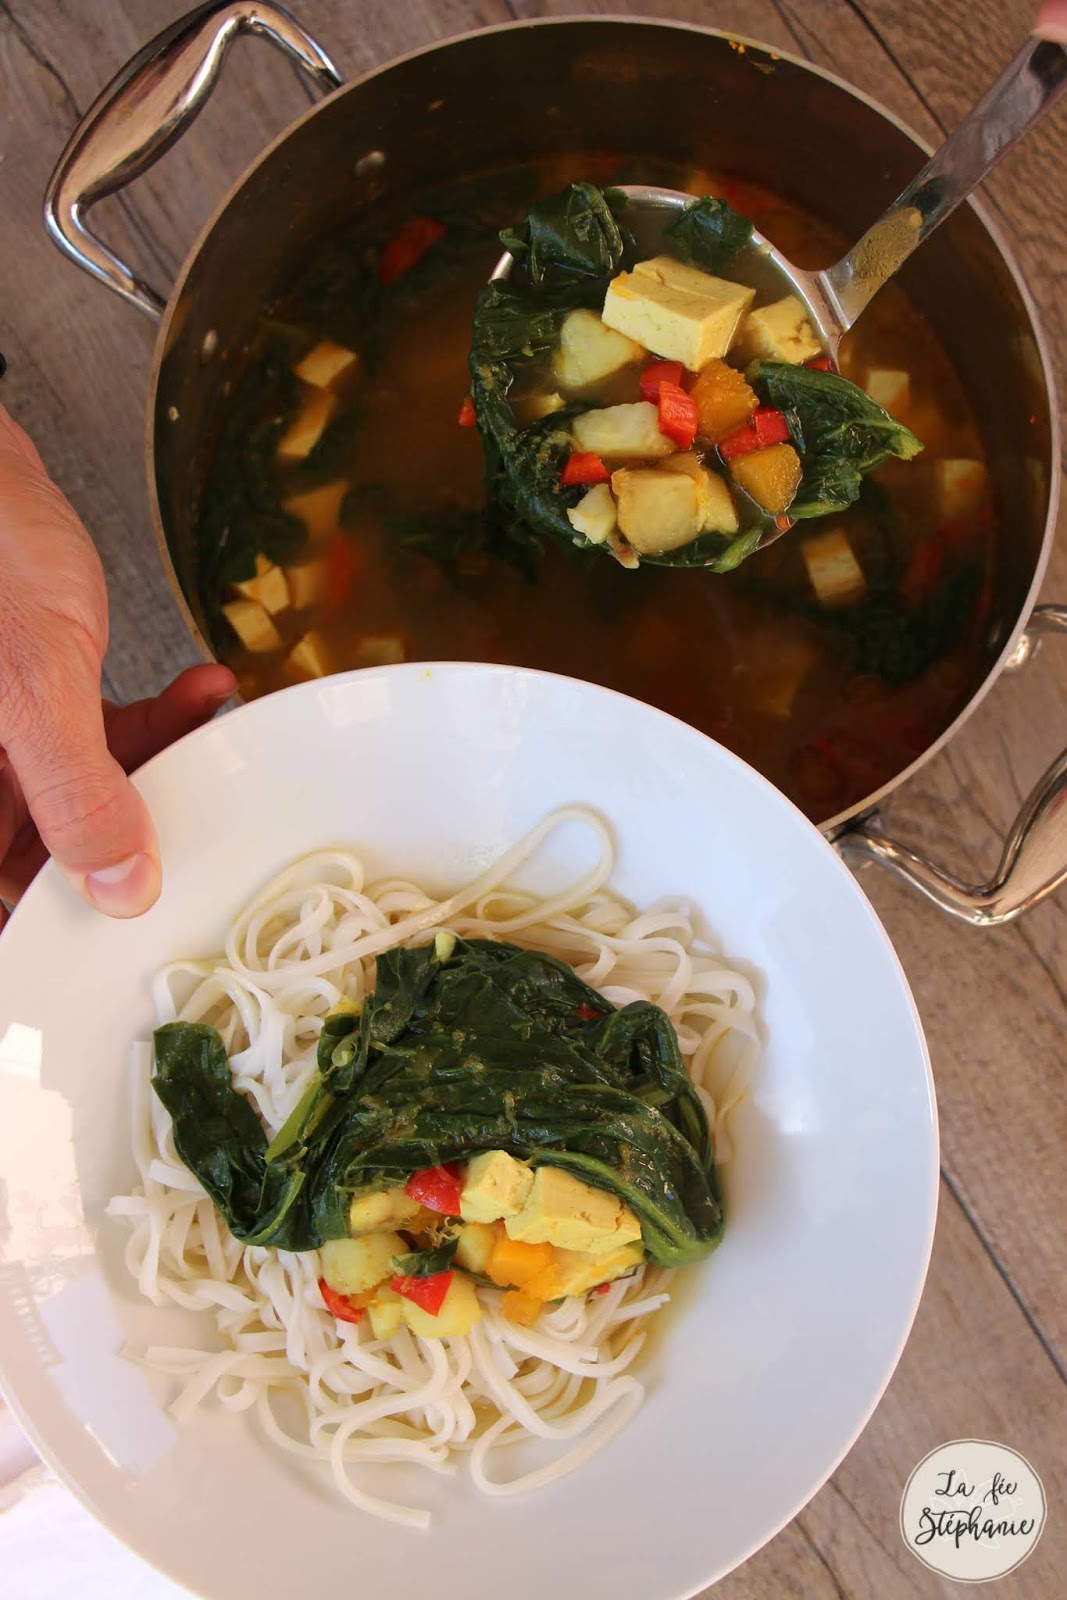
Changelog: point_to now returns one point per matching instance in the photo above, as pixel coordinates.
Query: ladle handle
(141, 113)
(1028, 87)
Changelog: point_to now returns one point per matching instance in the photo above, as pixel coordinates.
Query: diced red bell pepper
(583, 466)
(783, 524)
(340, 572)
(741, 442)
(437, 1188)
(601, 1288)
(658, 372)
(586, 1013)
(820, 364)
(339, 1305)
(467, 417)
(923, 572)
(408, 245)
(428, 1292)
(770, 425)
(677, 414)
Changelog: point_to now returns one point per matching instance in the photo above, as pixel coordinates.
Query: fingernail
(126, 889)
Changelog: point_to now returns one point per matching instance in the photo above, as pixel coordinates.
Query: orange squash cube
(521, 1308)
(724, 401)
(514, 1262)
(771, 476)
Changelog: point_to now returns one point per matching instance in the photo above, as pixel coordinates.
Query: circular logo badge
(972, 1510)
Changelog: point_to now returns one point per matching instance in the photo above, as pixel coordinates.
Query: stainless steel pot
(535, 89)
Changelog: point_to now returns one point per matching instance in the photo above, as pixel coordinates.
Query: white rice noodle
(307, 941)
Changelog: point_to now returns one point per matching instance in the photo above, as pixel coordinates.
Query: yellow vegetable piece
(724, 401)
(657, 511)
(476, 1244)
(352, 1266)
(319, 509)
(381, 1208)
(578, 1271)
(252, 625)
(521, 1308)
(459, 1312)
(513, 1262)
(269, 586)
(308, 658)
(385, 1313)
(307, 427)
(771, 476)
(325, 363)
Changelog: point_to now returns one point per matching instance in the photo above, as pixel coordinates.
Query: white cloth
(51, 1548)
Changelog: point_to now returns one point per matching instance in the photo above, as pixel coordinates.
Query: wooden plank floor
(986, 1357)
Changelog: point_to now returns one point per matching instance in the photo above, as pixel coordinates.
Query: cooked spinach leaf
(497, 1049)
(424, 1263)
(219, 1136)
(707, 233)
(573, 234)
(840, 432)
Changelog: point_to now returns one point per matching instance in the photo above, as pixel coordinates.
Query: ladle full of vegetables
(570, 255)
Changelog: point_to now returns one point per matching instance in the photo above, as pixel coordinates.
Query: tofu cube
(269, 586)
(594, 515)
(778, 332)
(679, 312)
(307, 658)
(381, 1208)
(496, 1186)
(618, 432)
(352, 1266)
(308, 584)
(836, 575)
(781, 662)
(657, 511)
(324, 364)
(889, 388)
(589, 351)
(564, 1211)
(307, 427)
(960, 486)
(718, 513)
(252, 625)
(319, 509)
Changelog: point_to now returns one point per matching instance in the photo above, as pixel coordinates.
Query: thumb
(88, 814)
(1051, 21)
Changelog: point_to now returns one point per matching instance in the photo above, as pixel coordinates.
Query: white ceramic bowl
(784, 1339)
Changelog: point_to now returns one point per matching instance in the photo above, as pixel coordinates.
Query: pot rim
(838, 823)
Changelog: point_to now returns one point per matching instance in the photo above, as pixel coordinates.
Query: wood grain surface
(986, 1357)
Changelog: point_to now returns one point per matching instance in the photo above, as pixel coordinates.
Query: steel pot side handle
(1034, 860)
(144, 110)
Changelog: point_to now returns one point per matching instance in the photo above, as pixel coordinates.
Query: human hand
(65, 753)
(1051, 20)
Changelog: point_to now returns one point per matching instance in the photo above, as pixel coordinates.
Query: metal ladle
(836, 296)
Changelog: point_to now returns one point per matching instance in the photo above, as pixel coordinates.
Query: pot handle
(144, 110)
(1034, 859)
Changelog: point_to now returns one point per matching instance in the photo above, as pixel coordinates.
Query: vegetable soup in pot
(341, 517)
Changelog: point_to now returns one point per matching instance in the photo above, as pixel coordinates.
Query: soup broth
(828, 682)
